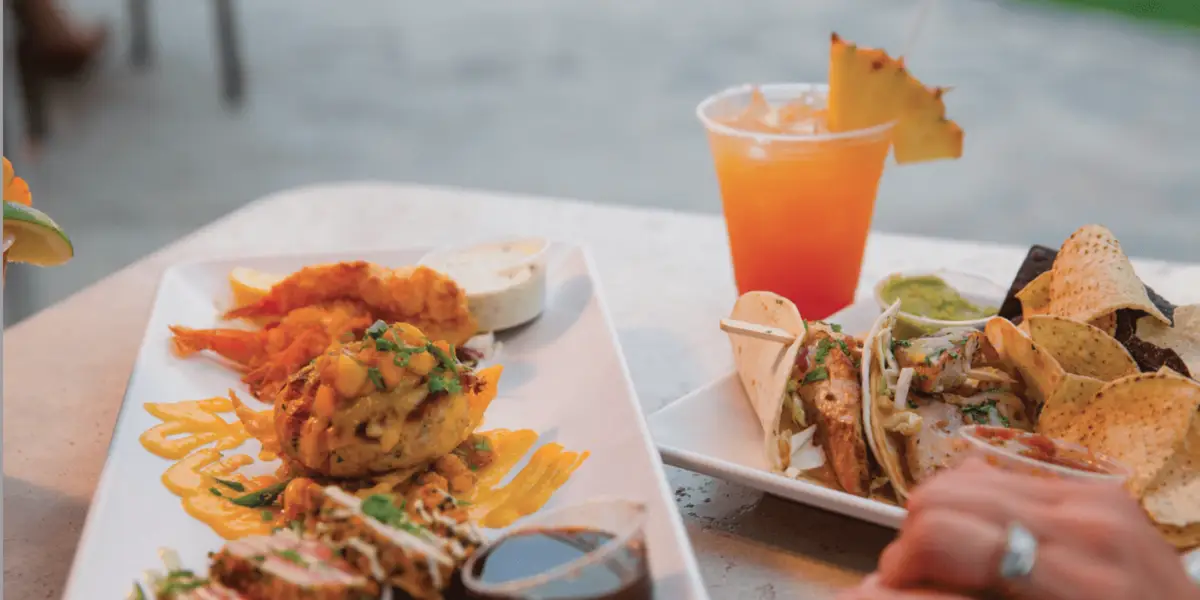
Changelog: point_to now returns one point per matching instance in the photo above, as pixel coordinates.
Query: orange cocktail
(798, 200)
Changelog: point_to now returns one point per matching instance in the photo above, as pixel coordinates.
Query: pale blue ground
(1070, 117)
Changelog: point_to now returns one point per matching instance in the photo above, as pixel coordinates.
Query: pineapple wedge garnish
(865, 86)
(868, 88)
(923, 132)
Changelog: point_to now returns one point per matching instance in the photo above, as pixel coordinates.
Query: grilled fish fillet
(832, 395)
(940, 362)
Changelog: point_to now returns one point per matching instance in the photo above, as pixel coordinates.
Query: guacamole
(930, 296)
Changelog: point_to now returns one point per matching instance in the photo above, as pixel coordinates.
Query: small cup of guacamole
(933, 300)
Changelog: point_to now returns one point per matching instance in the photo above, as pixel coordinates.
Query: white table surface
(667, 280)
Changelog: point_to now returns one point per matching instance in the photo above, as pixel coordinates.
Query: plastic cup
(1025, 452)
(618, 561)
(797, 204)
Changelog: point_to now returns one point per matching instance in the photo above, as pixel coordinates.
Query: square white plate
(714, 431)
(564, 377)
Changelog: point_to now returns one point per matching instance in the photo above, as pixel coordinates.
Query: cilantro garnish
(377, 329)
(823, 348)
(483, 445)
(835, 327)
(381, 508)
(815, 375)
(444, 383)
(911, 404)
(291, 556)
(376, 378)
(233, 485)
(403, 355)
(444, 358)
(1003, 419)
(180, 581)
(263, 497)
(900, 344)
(981, 413)
(845, 349)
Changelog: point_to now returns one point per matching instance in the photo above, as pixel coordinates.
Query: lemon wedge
(250, 285)
(37, 239)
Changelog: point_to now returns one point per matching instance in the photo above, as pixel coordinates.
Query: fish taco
(806, 394)
(920, 392)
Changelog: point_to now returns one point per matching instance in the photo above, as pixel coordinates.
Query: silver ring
(1020, 552)
(1191, 564)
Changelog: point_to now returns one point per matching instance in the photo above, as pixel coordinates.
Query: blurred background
(1073, 114)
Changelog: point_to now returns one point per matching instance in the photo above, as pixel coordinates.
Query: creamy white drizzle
(404, 539)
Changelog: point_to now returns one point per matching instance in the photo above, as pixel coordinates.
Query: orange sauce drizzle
(188, 426)
(549, 467)
(195, 477)
(191, 424)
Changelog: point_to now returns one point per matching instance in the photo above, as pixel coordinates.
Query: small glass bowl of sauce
(590, 551)
(1036, 454)
(934, 300)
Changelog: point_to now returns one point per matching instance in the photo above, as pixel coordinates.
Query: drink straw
(914, 31)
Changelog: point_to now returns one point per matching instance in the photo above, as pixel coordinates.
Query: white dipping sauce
(505, 282)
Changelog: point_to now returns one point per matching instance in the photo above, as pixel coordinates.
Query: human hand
(1094, 541)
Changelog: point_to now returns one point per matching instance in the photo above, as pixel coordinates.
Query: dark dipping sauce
(624, 574)
(1040, 448)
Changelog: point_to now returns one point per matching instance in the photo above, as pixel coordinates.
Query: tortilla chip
(1037, 261)
(763, 366)
(1183, 538)
(1183, 338)
(1139, 421)
(1174, 496)
(1092, 278)
(1081, 348)
(1035, 298)
(1040, 372)
(1107, 324)
(1070, 398)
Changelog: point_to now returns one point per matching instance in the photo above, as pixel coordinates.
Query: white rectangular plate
(714, 431)
(564, 377)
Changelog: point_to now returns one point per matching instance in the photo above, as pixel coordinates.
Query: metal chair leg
(232, 75)
(139, 21)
